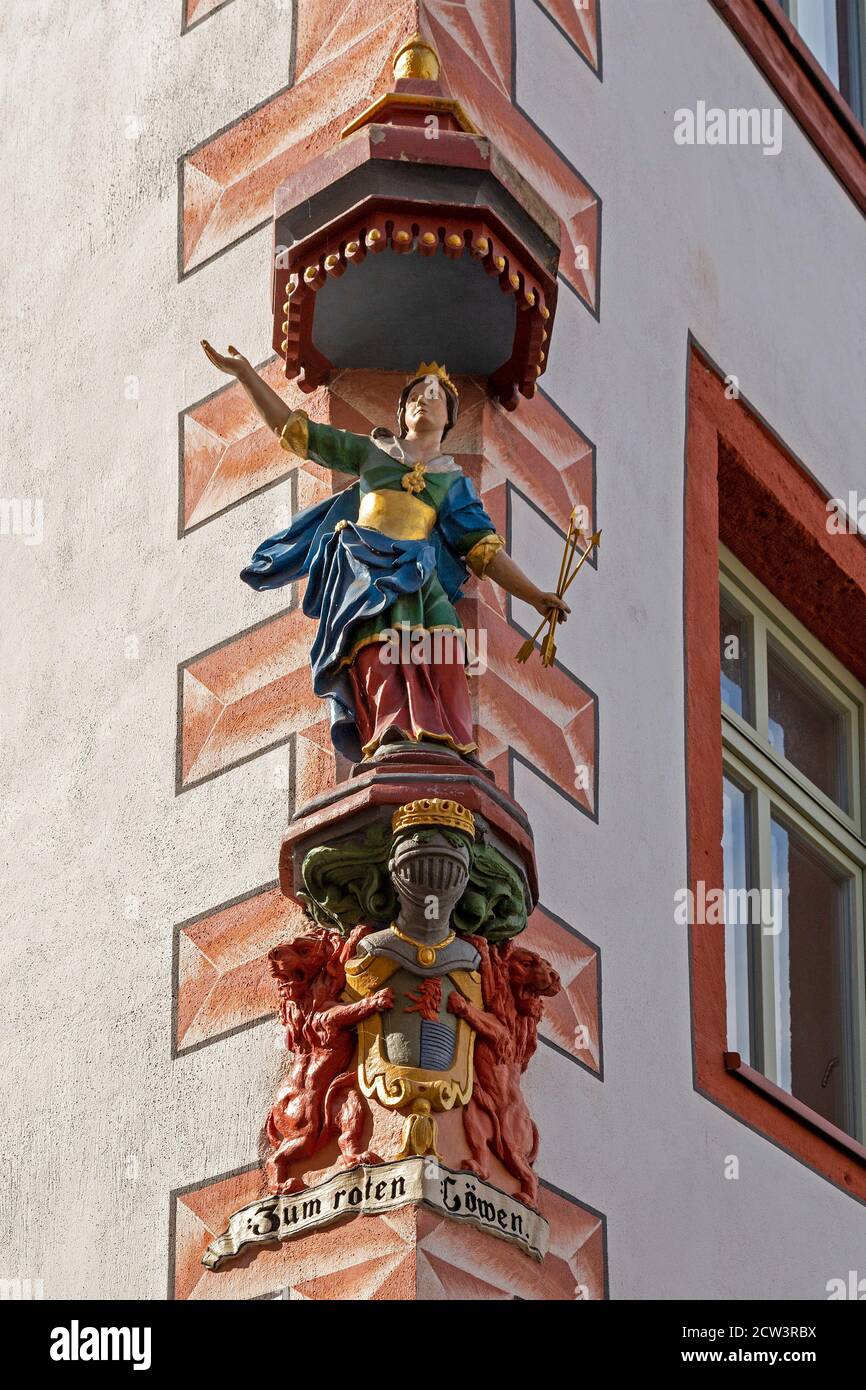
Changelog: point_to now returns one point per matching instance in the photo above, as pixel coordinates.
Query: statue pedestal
(407, 1253)
(375, 1190)
(405, 1091)
(392, 1176)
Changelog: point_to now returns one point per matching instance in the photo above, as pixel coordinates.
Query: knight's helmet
(426, 865)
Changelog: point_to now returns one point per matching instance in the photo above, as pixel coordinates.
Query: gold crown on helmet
(432, 810)
(433, 369)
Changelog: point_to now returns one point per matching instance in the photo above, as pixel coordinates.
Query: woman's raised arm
(273, 411)
(332, 448)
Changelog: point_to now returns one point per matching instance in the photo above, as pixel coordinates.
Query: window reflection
(735, 658)
(835, 33)
(737, 856)
(813, 1020)
(806, 726)
(793, 872)
(816, 23)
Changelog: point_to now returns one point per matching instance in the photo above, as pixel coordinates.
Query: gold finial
(419, 1132)
(417, 58)
(432, 810)
(433, 369)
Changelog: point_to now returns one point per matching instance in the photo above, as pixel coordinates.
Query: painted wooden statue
(389, 554)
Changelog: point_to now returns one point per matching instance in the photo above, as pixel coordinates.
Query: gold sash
(397, 514)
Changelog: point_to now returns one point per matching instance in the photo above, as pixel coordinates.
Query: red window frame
(819, 108)
(744, 488)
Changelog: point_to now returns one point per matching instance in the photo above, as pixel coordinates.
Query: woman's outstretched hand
(271, 407)
(543, 603)
(234, 364)
(503, 570)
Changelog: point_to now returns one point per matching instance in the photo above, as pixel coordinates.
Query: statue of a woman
(390, 554)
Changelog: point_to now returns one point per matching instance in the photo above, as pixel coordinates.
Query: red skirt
(426, 699)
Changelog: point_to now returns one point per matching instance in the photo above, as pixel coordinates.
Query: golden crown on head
(433, 369)
(432, 810)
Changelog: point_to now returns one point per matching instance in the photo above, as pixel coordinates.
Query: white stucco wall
(102, 1123)
(761, 258)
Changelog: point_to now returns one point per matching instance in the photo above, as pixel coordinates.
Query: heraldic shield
(416, 1055)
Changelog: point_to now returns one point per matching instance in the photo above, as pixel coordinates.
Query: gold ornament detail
(416, 479)
(433, 810)
(294, 436)
(425, 951)
(479, 557)
(397, 514)
(433, 369)
(417, 58)
(419, 1132)
(567, 572)
(396, 1086)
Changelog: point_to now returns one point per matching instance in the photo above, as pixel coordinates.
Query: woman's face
(427, 406)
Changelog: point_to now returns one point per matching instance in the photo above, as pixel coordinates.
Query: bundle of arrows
(567, 570)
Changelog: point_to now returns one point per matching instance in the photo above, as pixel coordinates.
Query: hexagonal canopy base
(368, 799)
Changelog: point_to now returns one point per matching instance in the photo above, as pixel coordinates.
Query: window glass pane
(735, 658)
(806, 726)
(737, 853)
(857, 42)
(812, 969)
(815, 21)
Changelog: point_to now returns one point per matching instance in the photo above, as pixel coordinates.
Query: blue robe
(356, 573)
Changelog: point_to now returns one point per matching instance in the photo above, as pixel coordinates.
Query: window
(835, 31)
(794, 854)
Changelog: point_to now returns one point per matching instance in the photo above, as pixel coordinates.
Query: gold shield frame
(396, 1086)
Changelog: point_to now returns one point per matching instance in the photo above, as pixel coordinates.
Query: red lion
(513, 983)
(319, 1098)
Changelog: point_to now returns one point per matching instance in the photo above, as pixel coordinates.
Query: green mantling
(349, 883)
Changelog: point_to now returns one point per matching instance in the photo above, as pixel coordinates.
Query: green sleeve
(338, 449)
